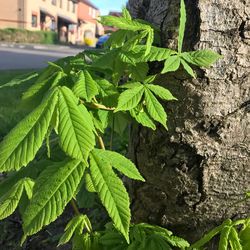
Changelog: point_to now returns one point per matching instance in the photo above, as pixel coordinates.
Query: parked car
(101, 41)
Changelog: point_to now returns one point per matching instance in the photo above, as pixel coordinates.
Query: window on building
(61, 3)
(90, 11)
(34, 20)
(74, 8)
(93, 13)
(68, 5)
(53, 2)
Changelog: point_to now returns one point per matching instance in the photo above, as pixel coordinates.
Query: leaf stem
(74, 206)
(101, 143)
(97, 106)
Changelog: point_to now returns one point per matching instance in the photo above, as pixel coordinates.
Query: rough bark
(201, 166)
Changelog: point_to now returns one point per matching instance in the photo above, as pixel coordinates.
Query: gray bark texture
(197, 169)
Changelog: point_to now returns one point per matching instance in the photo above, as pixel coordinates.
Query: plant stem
(74, 206)
(97, 106)
(112, 132)
(101, 143)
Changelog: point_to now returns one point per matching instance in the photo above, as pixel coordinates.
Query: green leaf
(127, 58)
(177, 241)
(20, 146)
(143, 118)
(156, 241)
(52, 194)
(163, 93)
(183, 19)
(76, 224)
(126, 14)
(89, 183)
(31, 171)
(150, 40)
(207, 237)
(111, 239)
(139, 71)
(119, 162)
(188, 69)
(20, 79)
(155, 109)
(155, 54)
(130, 98)
(118, 38)
(130, 85)
(119, 122)
(85, 87)
(201, 58)
(45, 81)
(107, 60)
(171, 64)
(106, 88)
(75, 133)
(55, 66)
(123, 23)
(112, 193)
(28, 186)
(9, 202)
(223, 243)
(234, 240)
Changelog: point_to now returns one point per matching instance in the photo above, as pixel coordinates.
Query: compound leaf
(183, 19)
(126, 14)
(234, 240)
(155, 109)
(188, 69)
(201, 58)
(75, 132)
(163, 93)
(52, 194)
(85, 86)
(75, 224)
(143, 118)
(20, 146)
(130, 98)
(112, 193)
(120, 162)
(124, 23)
(20, 79)
(9, 202)
(44, 82)
(171, 64)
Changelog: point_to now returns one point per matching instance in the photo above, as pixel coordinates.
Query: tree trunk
(197, 169)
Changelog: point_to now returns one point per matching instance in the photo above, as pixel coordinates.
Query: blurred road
(27, 56)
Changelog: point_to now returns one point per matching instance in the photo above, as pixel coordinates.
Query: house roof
(88, 2)
(115, 13)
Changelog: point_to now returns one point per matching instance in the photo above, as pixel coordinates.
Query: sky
(109, 5)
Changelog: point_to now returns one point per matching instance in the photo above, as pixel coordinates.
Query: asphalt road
(18, 56)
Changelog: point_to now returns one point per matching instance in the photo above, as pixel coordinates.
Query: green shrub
(27, 36)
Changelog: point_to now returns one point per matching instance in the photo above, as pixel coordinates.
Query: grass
(11, 110)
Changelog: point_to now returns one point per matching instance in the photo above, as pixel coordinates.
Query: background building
(74, 20)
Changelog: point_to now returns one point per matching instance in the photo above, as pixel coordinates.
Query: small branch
(97, 106)
(112, 132)
(101, 143)
(100, 106)
(74, 206)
